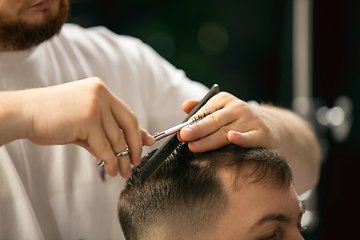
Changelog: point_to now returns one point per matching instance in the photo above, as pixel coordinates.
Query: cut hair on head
(185, 197)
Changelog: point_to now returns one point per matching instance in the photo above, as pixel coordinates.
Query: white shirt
(55, 192)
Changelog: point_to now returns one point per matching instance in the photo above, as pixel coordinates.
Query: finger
(117, 141)
(246, 139)
(128, 122)
(237, 138)
(223, 100)
(208, 125)
(188, 105)
(86, 146)
(102, 149)
(215, 103)
(213, 141)
(146, 138)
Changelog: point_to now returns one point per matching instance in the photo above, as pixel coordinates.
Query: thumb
(246, 140)
(188, 105)
(146, 138)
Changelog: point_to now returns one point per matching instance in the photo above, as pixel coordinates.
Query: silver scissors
(157, 136)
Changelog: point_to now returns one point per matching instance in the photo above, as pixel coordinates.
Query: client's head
(228, 193)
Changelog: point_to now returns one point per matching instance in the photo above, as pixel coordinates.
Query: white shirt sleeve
(152, 87)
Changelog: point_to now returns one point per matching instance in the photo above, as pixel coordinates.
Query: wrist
(13, 121)
(278, 122)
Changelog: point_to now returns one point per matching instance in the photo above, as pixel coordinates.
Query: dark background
(250, 55)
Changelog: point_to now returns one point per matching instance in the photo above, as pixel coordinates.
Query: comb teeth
(199, 117)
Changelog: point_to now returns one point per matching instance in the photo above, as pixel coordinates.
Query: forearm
(12, 119)
(298, 145)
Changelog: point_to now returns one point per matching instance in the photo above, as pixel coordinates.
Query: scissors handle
(159, 136)
(174, 129)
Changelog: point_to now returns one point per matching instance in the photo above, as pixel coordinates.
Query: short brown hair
(185, 197)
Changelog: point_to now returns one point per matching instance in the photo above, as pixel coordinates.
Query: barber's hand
(86, 113)
(230, 120)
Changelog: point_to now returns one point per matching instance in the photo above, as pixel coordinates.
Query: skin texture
(255, 212)
(230, 193)
(235, 121)
(231, 119)
(79, 118)
(251, 203)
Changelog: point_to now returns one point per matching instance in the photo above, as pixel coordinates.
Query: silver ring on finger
(123, 153)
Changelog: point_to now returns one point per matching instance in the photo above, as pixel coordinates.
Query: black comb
(171, 144)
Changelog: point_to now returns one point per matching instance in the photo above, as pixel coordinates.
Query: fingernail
(233, 132)
(149, 135)
(196, 144)
(116, 171)
(129, 172)
(188, 132)
(151, 138)
(136, 162)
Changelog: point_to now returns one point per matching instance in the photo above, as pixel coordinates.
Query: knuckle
(96, 81)
(226, 96)
(223, 95)
(251, 140)
(97, 85)
(214, 119)
(241, 106)
(119, 137)
(132, 119)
